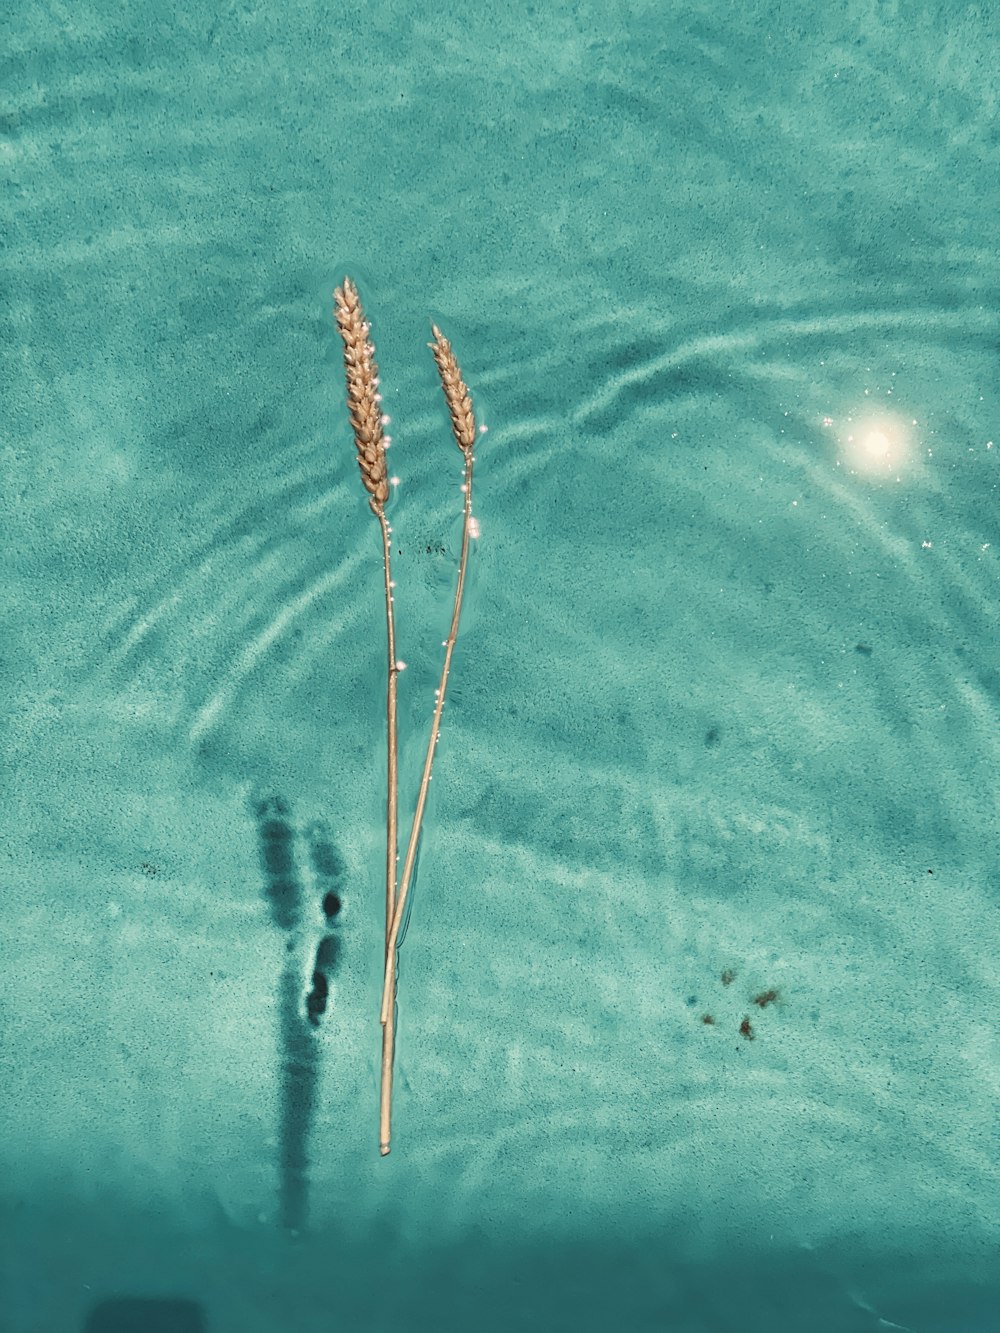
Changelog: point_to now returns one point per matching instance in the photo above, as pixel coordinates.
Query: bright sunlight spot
(879, 446)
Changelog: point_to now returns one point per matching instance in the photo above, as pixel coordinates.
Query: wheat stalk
(365, 409)
(363, 398)
(364, 406)
(463, 425)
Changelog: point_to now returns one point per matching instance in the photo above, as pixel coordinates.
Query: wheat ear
(364, 406)
(463, 424)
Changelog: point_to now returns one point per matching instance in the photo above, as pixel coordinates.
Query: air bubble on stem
(400, 666)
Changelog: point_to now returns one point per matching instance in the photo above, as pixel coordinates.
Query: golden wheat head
(362, 392)
(456, 392)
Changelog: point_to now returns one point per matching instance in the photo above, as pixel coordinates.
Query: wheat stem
(464, 429)
(364, 407)
(391, 835)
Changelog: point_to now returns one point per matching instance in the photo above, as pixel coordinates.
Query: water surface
(697, 1020)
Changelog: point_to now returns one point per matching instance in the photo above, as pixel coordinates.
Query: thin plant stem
(391, 834)
(364, 406)
(402, 891)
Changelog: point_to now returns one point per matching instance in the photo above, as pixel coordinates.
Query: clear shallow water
(724, 703)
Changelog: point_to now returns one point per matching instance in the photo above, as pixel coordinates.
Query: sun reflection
(876, 445)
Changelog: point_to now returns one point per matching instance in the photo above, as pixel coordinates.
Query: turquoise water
(721, 739)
